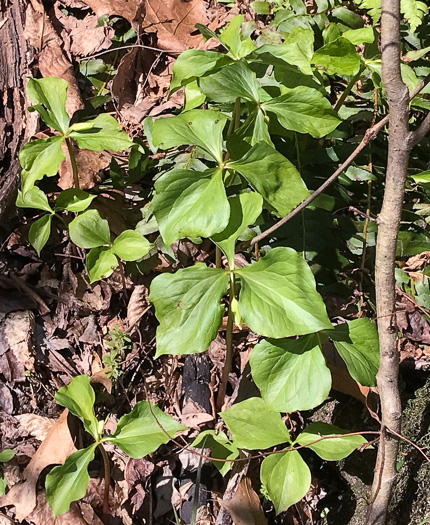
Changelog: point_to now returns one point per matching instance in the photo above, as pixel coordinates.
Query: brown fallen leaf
(18, 328)
(137, 306)
(55, 448)
(131, 10)
(52, 60)
(37, 426)
(89, 163)
(245, 507)
(174, 22)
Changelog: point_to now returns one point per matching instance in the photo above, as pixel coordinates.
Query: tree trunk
(17, 125)
(400, 143)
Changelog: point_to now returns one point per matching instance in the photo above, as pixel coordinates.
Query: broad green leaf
(104, 133)
(332, 449)
(39, 232)
(199, 127)
(231, 82)
(261, 8)
(194, 96)
(6, 455)
(74, 199)
(358, 344)
(101, 262)
(416, 54)
(194, 63)
(33, 198)
(3, 485)
(188, 307)
(230, 36)
(278, 297)
(244, 210)
(360, 36)
(305, 110)
(221, 446)
(338, 58)
(89, 230)
(139, 434)
(50, 95)
(130, 245)
(190, 204)
(291, 373)
(69, 482)
(39, 158)
(79, 398)
(254, 425)
(286, 478)
(273, 176)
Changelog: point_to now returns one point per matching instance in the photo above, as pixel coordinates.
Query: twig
(370, 134)
(106, 511)
(403, 438)
(132, 46)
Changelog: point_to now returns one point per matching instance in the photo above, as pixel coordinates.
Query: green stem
(218, 257)
(73, 163)
(348, 88)
(229, 347)
(106, 510)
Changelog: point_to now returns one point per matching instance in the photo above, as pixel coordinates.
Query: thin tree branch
(370, 134)
(421, 131)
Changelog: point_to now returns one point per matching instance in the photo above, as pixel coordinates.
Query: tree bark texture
(17, 125)
(400, 144)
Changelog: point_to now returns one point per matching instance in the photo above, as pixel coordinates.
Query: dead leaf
(37, 426)
(132, 10)
(18, 329)
(137, 306)
(417, 262)
(174, 22)
(52, 60)
(136, 473)
(89, 163)
(86, 37)
(6, 399)
(55, 448)
(245, 507)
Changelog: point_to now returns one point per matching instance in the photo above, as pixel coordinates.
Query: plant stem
(229, 347)
(106, 510)
(348, 88)
(73, 163)
(218, 257)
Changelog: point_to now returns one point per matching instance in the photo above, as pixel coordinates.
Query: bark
(17, 125)
(400, 144)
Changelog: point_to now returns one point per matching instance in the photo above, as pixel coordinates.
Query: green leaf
(230, 36)
(338, 58)
(260, 8)
(6, 455)
(360, 36)
(102, 133)
(3, 485)
(194, 63)
(358, 344)
(231, 82)
(305, 110)
(101, 262)
(39, 158)
(194, 96)
(39, 232)
(33, 198)
(278, 296)
(130, 245)
(139, 434)
(188, 307)
(74, 200)
(79, 398)
(244, 211)
(254, 425)
(329, 449)
(374, 7)
(89, 230)
(286, 478)
(273, 176)
(190, 204)
(69, 482)
(199, 127)
(50, 95)
(414, 12)
(291, 373)
(221, 446)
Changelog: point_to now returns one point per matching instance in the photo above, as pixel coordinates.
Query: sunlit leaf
(39, 232)
(50, 95)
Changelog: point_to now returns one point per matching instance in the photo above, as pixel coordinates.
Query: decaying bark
(401, 141)
(16, 123)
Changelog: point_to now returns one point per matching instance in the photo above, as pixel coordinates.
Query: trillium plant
(221, 177)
